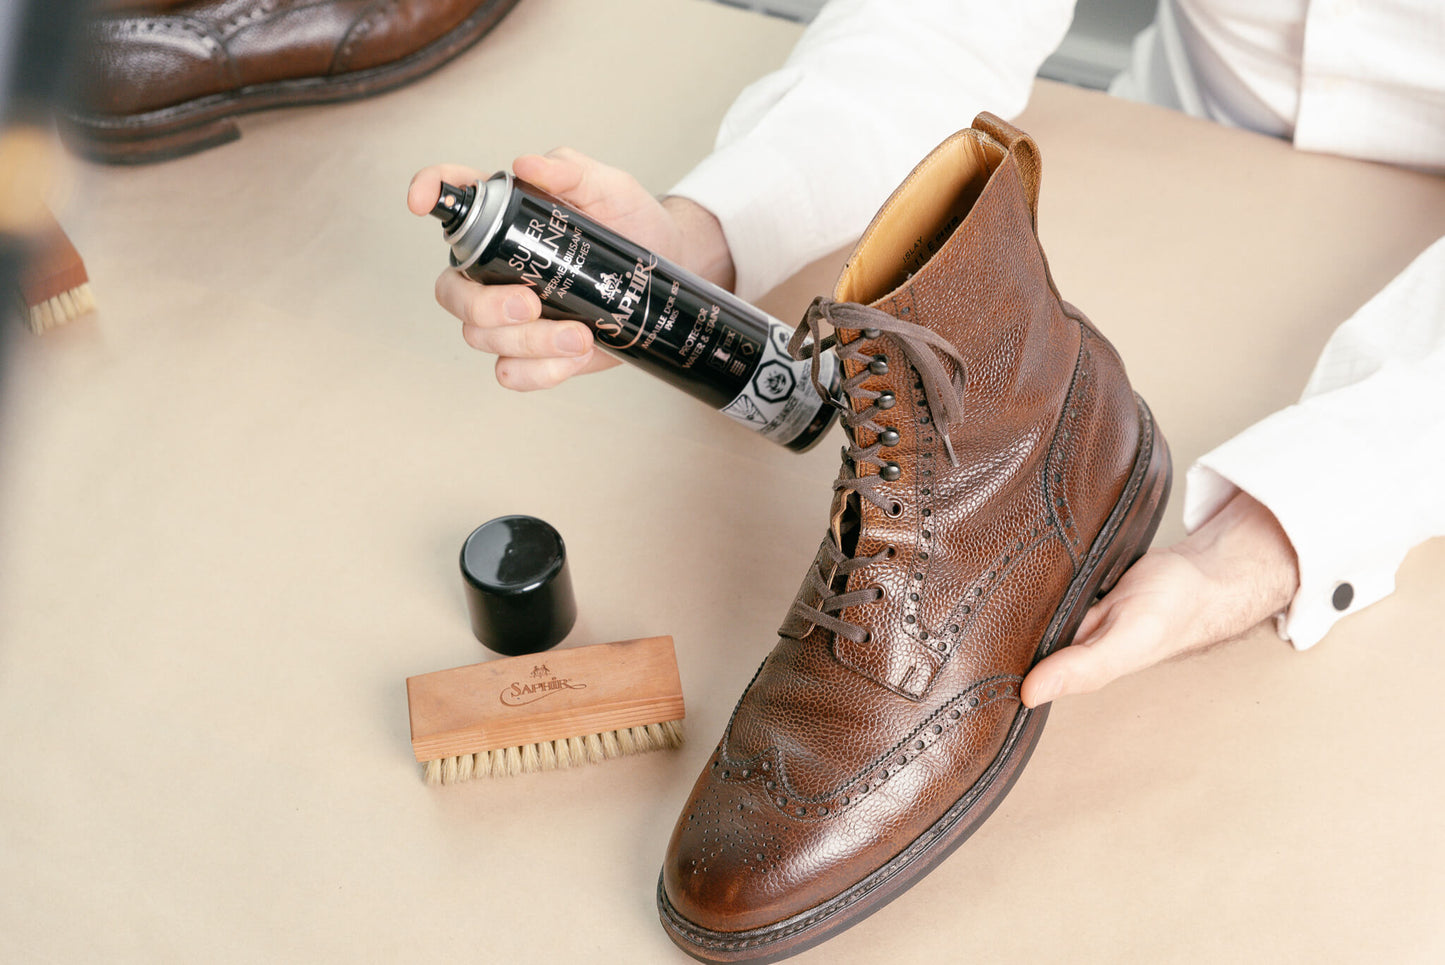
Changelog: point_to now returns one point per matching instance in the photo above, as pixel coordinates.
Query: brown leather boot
(1001, 475)
(158, 79)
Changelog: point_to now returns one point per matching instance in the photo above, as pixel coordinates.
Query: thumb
(1119, 645)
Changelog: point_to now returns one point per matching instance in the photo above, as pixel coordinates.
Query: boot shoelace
(944, 397)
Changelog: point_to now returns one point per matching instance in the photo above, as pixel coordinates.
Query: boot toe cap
(725, 870)
(743, 856)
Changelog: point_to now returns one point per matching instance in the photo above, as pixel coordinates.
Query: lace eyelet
(882, 593)
(890, 551)
(895, 510)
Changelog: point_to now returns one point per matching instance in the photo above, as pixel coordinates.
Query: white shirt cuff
(1347, 475)
(741, 185)
(1353, 471)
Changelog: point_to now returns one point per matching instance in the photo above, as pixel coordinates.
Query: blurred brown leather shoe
(168, 79)
(147, 6)
(1000, 475)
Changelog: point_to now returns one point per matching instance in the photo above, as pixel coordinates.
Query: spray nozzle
(453, 204)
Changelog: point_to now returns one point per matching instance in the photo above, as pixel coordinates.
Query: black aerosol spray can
(643, 308)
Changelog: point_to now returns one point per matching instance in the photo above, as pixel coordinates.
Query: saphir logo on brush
(541, 683)
(639, 289)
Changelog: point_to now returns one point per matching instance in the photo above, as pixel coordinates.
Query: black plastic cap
(519, 590)
(452, 205)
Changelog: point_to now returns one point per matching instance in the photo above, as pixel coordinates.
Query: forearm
(1248, 562)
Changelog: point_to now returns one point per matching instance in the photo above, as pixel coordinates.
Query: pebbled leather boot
(1000, 475)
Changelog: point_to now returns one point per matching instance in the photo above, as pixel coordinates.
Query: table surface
(231, 505)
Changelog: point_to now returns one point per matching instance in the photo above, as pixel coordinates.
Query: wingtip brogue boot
(158, 79)
(1000, 475)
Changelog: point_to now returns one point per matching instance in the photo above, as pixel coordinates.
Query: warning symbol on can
(773, 381)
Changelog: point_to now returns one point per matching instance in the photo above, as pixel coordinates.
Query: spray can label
(779, 400)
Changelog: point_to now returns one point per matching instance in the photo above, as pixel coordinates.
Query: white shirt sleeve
(873, 85)
(1353, 472)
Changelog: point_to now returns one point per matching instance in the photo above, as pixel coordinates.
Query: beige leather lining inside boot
(920, 217)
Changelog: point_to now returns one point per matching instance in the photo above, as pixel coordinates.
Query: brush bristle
(554, 755)
(610, 747)
(64, 307)
(672, 730)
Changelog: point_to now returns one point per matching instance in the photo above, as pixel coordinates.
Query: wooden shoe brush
(54, 286)
(545, 711)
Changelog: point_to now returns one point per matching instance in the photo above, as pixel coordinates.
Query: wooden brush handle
(544, 696)
(53, 266)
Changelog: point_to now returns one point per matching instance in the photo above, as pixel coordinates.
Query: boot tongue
(844, 514)
(840, 510)
(845, 521)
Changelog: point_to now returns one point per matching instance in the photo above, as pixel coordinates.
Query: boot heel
(1142, 520)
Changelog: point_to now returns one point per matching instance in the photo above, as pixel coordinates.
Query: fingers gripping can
(641, 307)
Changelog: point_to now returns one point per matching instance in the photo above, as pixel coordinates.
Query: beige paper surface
(231, 506)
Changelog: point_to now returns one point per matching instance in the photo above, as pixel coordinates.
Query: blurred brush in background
(39, 268)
